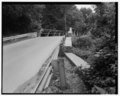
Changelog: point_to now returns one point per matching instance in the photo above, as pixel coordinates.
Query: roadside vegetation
(100, 50)
(103, 61)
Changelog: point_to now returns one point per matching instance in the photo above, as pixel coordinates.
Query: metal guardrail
(50, 32)
(47, 74)
(34, 34)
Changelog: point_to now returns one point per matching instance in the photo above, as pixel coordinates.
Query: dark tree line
(20, 18)
(23, 18)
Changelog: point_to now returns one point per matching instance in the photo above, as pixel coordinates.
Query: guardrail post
(55, 66)
(62, 73)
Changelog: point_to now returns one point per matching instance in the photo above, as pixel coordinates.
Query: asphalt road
(22, 60)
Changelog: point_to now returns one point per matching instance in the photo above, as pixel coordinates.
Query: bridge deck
(22, 60)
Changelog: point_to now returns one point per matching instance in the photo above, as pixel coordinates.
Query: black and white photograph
(59, 48)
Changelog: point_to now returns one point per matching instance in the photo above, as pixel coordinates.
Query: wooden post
(62, 73)
(38, 33)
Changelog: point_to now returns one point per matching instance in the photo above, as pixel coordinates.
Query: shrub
(82, 43)
(103, 71)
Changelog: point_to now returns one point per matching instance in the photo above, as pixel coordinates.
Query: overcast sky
(85, 6)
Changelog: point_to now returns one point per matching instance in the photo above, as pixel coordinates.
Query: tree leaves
(21, 18)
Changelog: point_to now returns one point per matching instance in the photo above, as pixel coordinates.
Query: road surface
(22, 60)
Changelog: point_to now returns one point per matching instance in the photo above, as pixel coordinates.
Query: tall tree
(105, 20)
(54, 16)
